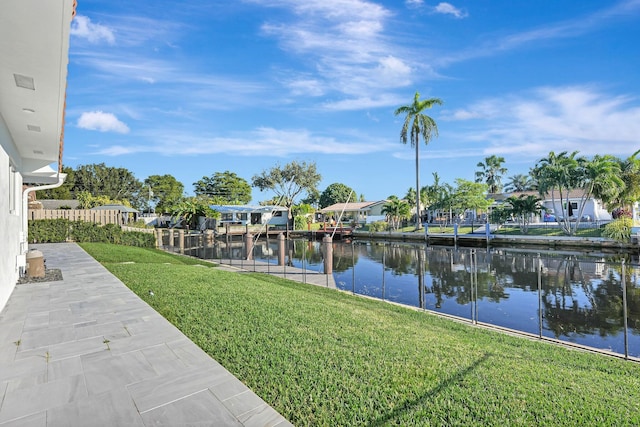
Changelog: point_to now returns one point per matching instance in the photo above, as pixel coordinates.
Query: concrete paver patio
(86, 351)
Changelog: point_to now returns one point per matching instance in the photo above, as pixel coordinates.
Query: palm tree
(439, 196)
(491, 173)
(396, 210)
(417, 124)
(630, 174)
(601, 179)
(558, 173)
(519, 183)
(523, 208)
(410, 197)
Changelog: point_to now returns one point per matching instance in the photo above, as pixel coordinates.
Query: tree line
(613, 181)
(99, 184)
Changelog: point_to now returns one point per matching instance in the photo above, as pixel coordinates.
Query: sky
(202, 86)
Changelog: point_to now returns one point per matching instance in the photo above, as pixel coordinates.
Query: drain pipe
(25, 208)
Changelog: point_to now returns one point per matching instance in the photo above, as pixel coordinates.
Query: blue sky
(192, 88)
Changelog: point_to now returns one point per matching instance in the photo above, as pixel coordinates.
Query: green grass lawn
(324, 357)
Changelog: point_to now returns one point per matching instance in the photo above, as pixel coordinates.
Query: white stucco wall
(591, 207)
(10, 224)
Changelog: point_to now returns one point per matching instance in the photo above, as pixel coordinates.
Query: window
(241, 216)
(227, 217)
(277, 213)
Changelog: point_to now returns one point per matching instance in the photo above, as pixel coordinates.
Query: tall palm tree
(491, 173)
(417, 124)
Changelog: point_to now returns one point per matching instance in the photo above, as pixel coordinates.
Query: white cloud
(264, 141)
(449, 9)
(557, 30)
(364, 102)
(347, 45)
(305, 87)
(82, 27)
(553, 119)
(103, 122)
(462, 114)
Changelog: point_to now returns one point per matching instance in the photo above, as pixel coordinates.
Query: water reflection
(579, 295)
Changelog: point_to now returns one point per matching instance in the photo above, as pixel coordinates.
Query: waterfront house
(551, 210)
(251, 215)
(359, 212)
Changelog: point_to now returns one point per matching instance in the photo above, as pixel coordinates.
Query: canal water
(577, 297)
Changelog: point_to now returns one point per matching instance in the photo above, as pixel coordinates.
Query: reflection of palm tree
(420, 273)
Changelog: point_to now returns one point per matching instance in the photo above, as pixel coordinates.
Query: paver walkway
(86, 351)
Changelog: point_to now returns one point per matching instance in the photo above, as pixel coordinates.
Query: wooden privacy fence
(98, 216)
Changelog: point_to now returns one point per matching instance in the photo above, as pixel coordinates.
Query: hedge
(63, 230)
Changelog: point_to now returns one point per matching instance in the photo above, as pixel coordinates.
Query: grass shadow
(411, 404)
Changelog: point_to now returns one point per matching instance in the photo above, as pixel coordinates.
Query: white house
(594, 209)
(251, 215)
(361, 212)
(34, 52)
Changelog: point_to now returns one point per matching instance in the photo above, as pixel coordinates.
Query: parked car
(549, 217)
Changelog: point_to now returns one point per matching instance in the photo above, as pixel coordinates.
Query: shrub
(49, 230)
(378, 226)
(139, 224)
(300, 222)
(82, 231)
(619, 229)
(61, 230)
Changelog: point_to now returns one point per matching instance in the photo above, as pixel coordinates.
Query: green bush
(619, 229)
(139, 224)
(49, 230)
(300, 222)
(378, 226)
(62, 230)
(81, 231)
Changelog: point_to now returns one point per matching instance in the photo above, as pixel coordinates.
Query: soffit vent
(33, 128)
(24, 81)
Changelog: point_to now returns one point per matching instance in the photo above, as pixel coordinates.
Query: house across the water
(251, 215)
(358, 212)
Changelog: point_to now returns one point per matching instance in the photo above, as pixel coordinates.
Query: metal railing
(578, 300)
